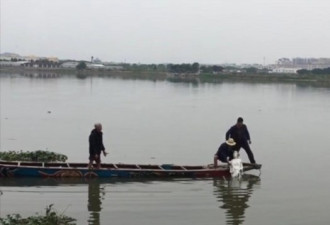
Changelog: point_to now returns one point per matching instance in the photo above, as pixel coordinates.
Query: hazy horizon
(167, 31)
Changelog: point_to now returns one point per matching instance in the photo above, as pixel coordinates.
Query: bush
(36, 156)
(51, 217)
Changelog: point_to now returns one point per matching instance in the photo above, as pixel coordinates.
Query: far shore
(317, 80)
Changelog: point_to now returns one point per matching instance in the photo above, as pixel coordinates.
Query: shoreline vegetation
(51, 217)
(32, 156)
(191, 77)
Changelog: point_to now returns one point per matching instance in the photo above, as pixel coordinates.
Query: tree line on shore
(171, 68)
(188, 68)
(195, 68)
(317, 71)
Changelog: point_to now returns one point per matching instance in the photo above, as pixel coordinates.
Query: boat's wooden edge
(121, 166)
(251, 166)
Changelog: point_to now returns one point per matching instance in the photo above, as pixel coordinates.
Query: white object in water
(236, 166)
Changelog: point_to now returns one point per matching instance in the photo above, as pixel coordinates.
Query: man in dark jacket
(224, 153)
(240, 134)
(96, 146)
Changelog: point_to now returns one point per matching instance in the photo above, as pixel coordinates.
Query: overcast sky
(162, 31)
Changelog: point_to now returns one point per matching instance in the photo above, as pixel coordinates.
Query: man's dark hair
(240, 120)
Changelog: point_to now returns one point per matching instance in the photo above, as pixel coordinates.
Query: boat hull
(36, 169)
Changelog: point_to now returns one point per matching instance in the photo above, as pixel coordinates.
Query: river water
(158, 121)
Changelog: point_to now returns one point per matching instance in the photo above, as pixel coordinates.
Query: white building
(13, 64)
(284, 70)
(95, 66)
(69, 64)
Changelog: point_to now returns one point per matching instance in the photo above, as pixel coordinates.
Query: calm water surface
(162, 122)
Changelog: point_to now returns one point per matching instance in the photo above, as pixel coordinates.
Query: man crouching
(225, 152)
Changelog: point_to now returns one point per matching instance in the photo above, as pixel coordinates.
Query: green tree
(81, 66)
(317, 71)
(206, 69)
(303, 72)
(217, 69)
(251, 70)
(195, 67)
(183, 68)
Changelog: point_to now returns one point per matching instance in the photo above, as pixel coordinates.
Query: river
(158, 121)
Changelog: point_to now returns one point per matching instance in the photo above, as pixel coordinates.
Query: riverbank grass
(51, 217)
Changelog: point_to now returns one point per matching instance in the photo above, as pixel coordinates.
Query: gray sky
(161, 31)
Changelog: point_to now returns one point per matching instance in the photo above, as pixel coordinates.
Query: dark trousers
(247, 149)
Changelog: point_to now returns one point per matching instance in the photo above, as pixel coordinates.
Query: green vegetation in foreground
(36, 156)
(51, 217)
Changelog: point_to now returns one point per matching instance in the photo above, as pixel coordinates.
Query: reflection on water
(37, 182)
(41, 74)
(234, 195)
(94, 201)
(95, 192)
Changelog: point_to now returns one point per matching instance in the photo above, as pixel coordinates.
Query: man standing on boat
(225, 152)
(241, 135)
(96, 146)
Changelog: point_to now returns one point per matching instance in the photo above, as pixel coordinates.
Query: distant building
(97, 60)
(31, 58)
(12, 63)
(44, 63)
(52, 59)
(95, 66)
(114, 67)
(69, 64)
(284, 62)
(284, 70)
(304, 63)
(9, 56)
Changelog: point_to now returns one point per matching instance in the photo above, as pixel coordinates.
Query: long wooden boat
(40, 169)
